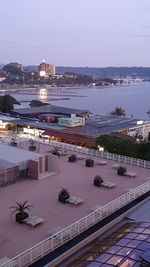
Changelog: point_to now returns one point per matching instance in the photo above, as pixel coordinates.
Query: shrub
(89, 163)
(98, 180)
(63, 195)
(72, 158)
(121, 171)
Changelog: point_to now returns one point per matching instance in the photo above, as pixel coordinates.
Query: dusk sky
(93, 33)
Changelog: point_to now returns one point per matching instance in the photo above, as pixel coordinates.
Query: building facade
(46, 70)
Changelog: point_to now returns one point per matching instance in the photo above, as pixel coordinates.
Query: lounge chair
(130, 174)
(116, 166)
(80, 157)
(108, 185)
(74, 201)
(33, 220)
(101, 162)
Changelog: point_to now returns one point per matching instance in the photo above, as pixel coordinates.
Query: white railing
(50, 244)
(101, 154)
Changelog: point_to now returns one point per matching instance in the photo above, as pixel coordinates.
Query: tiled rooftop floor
(42, 194)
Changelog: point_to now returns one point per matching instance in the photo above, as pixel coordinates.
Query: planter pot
(97, 183)
(63, 198)
(32, 148)
(89, 163)
(72, 159)
(121, 171)
(21, 216)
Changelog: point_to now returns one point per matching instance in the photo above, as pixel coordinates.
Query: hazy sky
(75, 32)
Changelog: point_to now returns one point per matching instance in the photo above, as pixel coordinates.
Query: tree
(118, 112)
(37, 103)
(8, 103)
(98, 181)
(118, 145)
(20, 210)
(63, 195)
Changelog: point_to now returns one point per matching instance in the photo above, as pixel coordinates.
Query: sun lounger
(116, 166)
(33, 220)
(108, 185)
(102, 162)
(5, 260)
(130, 174)
(80, 157)
(74, 201)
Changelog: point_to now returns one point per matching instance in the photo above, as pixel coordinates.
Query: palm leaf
(20, 207)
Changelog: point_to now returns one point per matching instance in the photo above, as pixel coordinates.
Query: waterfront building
(13, 66)
(86, 134)
(45, 70)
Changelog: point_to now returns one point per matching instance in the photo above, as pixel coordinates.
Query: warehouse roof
(48, 109)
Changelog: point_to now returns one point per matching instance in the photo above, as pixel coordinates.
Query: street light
(100, 148)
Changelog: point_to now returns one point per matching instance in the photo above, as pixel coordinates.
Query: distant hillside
(143, 72)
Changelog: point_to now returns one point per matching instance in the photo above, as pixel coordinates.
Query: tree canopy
(7, 103)
(118, 111)
(37, 103)
(124, 147)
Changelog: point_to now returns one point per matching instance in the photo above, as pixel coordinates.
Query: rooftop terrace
(42, 194)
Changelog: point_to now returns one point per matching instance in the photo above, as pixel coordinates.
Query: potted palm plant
(20, 210)
(121, 170)
(98, 180)
(63, 195)
(72, 158)
(89, 162)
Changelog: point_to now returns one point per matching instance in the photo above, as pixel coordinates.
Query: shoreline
(48, 87)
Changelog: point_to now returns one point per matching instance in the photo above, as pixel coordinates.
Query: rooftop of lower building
(43, 195)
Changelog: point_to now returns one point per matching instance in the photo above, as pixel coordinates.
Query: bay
(134, 99)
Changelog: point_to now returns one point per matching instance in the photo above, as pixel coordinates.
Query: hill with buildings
(123, 72)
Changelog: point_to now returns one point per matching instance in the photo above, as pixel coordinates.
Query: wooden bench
(101, 162)
(116, 166)
(33, 220)
(130, 174)
(108, 185)
(74, 201)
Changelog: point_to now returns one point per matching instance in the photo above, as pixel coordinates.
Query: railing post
(41, 249)
(19, 261)
(31, 258)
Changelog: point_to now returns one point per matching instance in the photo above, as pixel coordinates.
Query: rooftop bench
(116, 166)
(33, 220)
(130, 174)
(108, 185)
(101, 162)
(74, 201)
